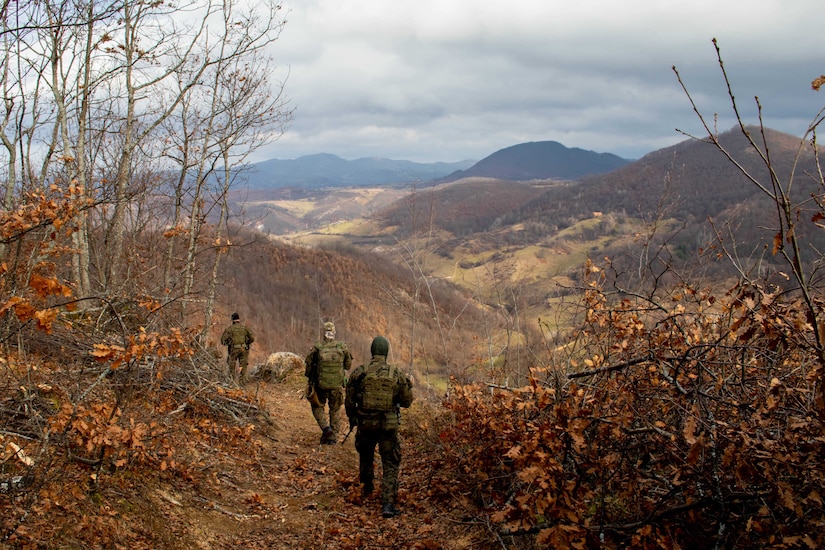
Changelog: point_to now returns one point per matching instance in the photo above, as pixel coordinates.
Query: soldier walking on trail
(326, 366)
(237, 339)
(375, 393)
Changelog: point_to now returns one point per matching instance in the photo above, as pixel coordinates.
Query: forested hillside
(286, 293)
(692, 182)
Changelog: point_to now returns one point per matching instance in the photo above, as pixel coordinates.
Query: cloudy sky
(449, 80)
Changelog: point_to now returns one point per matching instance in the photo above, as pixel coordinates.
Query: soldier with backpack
(375, 393)
(237, 339)
(326, 366)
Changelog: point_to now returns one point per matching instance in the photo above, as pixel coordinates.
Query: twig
(223, 510)
(178, 410)
(611, 368)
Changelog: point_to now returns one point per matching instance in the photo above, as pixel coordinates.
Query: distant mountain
(691, 179)
(691, 182)
(324, 170)
(540, 160)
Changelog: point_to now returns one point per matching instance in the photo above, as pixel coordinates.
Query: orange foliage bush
(692, 426)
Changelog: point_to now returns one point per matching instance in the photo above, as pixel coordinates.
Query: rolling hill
(691, 182)
(285, 196)
(534, 236)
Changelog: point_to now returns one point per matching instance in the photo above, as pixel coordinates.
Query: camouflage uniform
(379, 429)
(237, 339)
(332, 394)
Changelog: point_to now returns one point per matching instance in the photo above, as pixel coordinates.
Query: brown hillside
(691, 179)
(468, 206)
(690, 182)
(520, 245)
(284, 292)
(687, 186)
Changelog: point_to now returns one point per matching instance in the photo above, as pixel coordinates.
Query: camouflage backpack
(330, 365)
(378, 387)
(238, 335)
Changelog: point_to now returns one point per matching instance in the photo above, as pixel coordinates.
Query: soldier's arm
(309, 365)
(404, 396)
(347, 358)
(350, 403)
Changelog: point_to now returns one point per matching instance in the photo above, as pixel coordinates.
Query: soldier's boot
(389, 510)
(328, 437)
(367, 489)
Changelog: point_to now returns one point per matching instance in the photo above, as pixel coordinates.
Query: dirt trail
(293, 493)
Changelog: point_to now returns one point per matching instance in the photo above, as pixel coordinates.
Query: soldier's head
(380, 346)
(329, 330)
(236, 318)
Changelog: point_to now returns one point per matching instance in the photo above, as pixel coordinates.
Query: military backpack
(330, 365)
(378, 387)
(238, 336)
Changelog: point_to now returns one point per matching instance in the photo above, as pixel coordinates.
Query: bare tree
(217, 126)
(95, 94)
(414, 253)
(787, 243)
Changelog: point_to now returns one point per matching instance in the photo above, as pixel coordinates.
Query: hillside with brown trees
(286, 293)
(519, 245)
(474, 205)
(691, 182)
(654, 403)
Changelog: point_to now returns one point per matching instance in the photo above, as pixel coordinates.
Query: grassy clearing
(298, 208)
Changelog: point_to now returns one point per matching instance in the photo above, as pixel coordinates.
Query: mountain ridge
(535, 160)
(323, 170)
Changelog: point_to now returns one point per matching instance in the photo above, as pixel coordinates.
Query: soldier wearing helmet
(326, 366)
(375, 394)
(237, 338)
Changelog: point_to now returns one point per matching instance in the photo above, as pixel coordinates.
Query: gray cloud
(456, 79)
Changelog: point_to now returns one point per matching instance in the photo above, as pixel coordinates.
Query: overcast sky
(449, 80)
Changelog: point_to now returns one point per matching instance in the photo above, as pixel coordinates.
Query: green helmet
(380, 346)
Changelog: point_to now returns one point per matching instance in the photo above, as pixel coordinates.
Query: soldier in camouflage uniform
(326, 366)
(378, 418)
(237, 339)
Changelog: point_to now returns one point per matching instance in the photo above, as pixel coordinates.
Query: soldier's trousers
(335, 399)
(389, 447)
(241, 357)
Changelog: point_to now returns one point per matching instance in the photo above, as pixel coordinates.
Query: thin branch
(611, 368)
